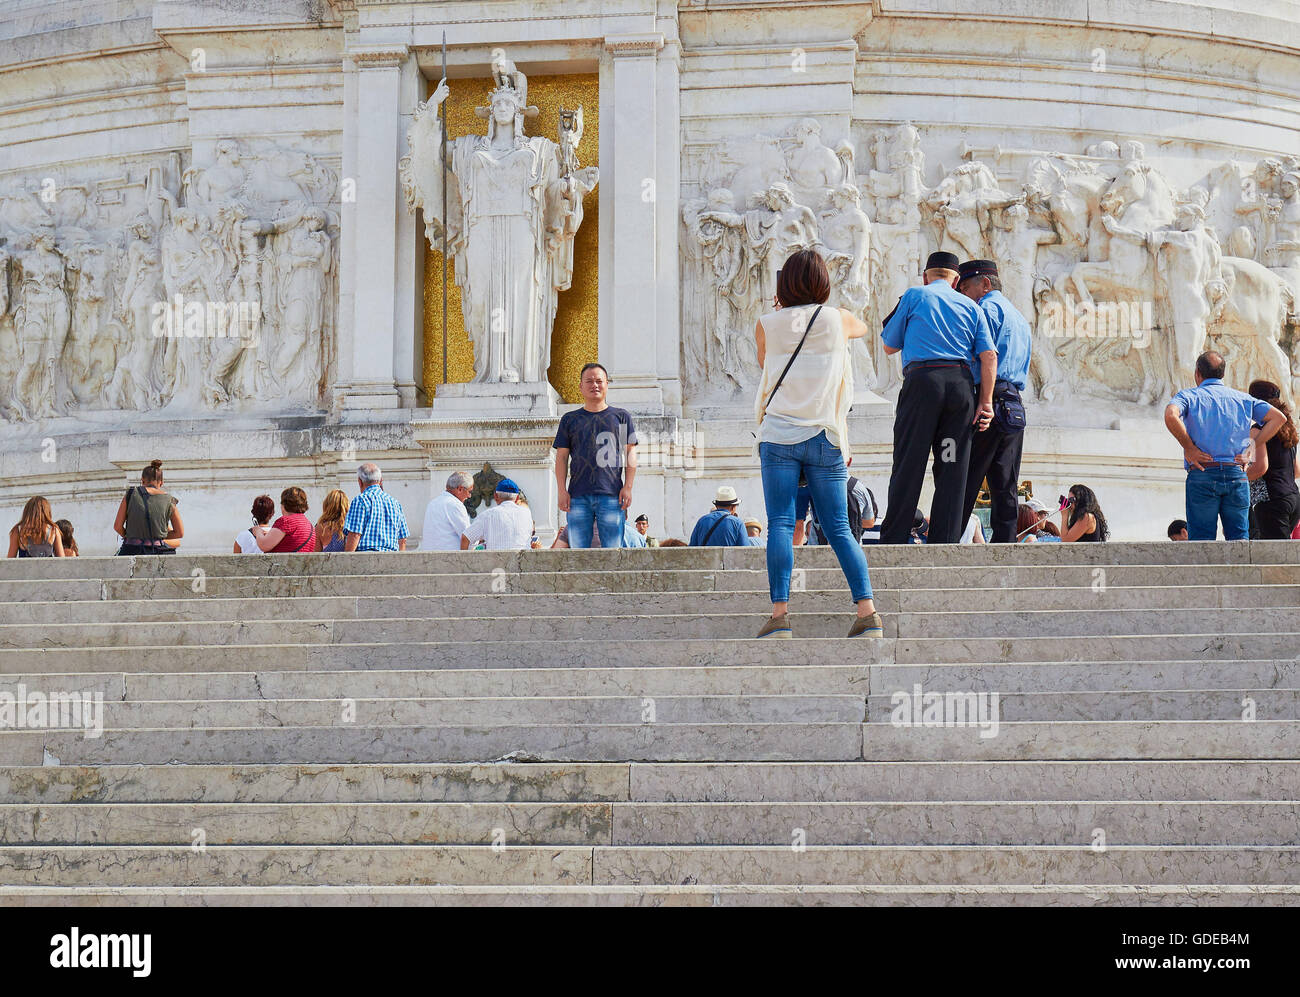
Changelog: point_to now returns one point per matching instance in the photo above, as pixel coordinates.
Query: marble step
(937, 822)
(707, 680)
(830, 579)
(737, 680)
(1176, 599)
(350, 744)
(1100, 648)
(1080, 739)
(650, 559)
(1087, 622)
(1012, 781)
(481, 711)
(1223, 704)
(313, 865)
(936, 864)
(1100, 651)
(653, 559)
(501, 782)
(651, 782)
(1058, 676)
(1243, 704)
(643, 627)
(720, 782)
(449, 654)
(1012, 741)
(822, 895)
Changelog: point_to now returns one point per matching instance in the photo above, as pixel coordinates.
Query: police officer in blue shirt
(995, 450)
(939, 332)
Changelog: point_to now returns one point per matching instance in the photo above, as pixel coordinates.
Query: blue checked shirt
(378, 517)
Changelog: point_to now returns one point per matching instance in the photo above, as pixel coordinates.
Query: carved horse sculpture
(1121, 269)
(1250, 306)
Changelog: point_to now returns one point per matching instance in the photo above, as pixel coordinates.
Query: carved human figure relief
(42, 320)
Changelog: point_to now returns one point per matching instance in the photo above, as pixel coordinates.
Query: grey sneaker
(868, 626)
(776, 626)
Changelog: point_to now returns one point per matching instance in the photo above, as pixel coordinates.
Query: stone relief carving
(1124, 278)
(514, 205)
(208, 289)
(763, 198)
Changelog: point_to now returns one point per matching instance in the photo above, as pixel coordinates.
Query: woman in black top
(1081, 518)
(1278, 514)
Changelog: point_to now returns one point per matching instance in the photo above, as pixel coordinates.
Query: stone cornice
(634, 44)
(387, 57)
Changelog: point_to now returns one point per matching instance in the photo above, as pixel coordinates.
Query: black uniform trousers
(996, 455)
(936, 407)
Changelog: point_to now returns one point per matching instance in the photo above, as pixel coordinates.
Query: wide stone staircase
(600, 727)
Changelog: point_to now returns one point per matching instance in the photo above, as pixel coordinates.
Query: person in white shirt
(504, 526)
(446, 518)
(974, 532)
(263, 510)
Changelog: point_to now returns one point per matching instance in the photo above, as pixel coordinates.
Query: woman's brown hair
(263, 509)
(69, 545)
(37, 522)
(803, 280)
(1267, 391)
(333, 512)
(152, 474)
(294, 499)
(1026, 519)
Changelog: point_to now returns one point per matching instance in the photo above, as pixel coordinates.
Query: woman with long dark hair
(1278, 514)
(802, 410)
(1081, 517)
(36, 534)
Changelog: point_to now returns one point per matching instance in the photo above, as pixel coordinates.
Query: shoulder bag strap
(807, 329)
(306, 543)
(148, 516)
(716, 523)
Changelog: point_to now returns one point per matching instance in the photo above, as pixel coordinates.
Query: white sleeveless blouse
(818, 390)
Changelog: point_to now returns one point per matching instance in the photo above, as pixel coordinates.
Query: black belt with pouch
(1008, 408)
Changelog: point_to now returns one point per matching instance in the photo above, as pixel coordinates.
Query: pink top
(299, 533)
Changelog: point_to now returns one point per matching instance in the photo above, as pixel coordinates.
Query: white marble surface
(261, 142)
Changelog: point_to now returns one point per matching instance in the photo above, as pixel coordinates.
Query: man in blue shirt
(1216, 427)
(595, 463)
(721, 527)
(995, 450)
(375, 519)
(939, 332)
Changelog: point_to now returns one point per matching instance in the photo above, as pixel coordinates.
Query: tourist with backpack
(862, 510)
(148, 520)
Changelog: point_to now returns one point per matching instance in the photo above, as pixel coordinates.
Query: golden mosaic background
(574, 341)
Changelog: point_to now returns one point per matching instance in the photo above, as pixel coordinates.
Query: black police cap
(942, 261)
(977, 268)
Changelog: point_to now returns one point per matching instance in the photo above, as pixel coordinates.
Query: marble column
(376, 122)
(632, 190)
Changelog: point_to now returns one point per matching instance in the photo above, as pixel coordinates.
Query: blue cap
(507, 487)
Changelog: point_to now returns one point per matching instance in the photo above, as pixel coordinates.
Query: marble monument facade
(215, 216)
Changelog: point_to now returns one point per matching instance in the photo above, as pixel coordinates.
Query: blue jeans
(1218, 492)
(828, 481)
(604, 512)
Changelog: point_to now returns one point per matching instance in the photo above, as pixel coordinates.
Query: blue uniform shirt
(1218, 418)
(934, 322)
(1011, 336)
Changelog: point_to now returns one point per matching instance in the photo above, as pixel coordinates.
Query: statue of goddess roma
(514, 203)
